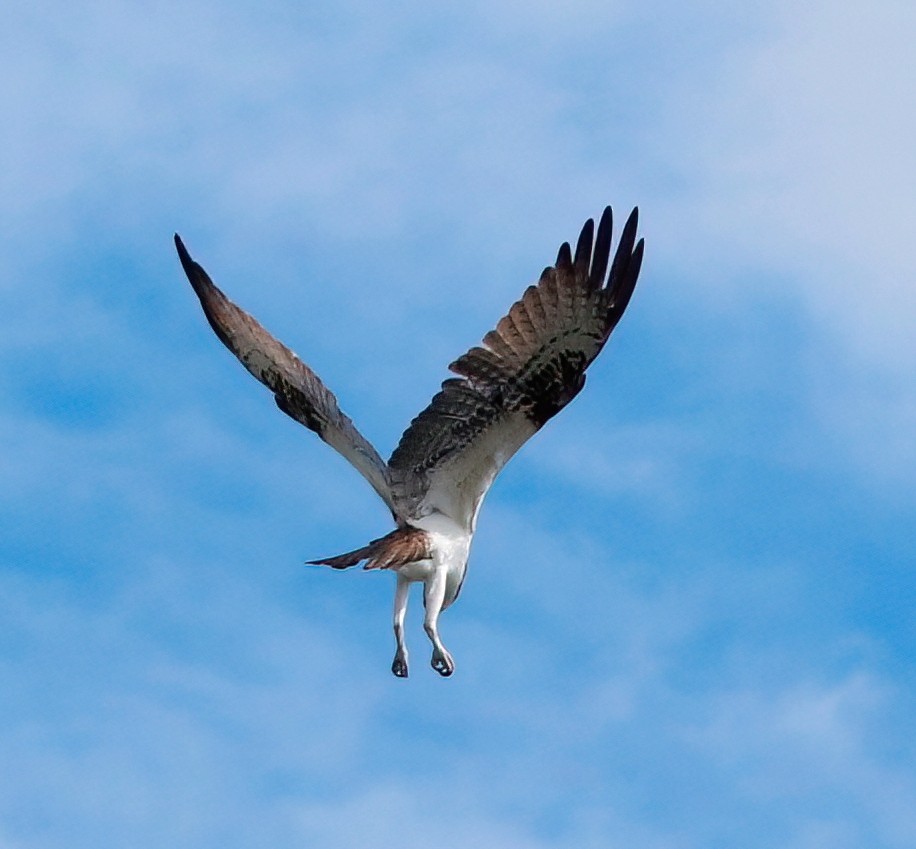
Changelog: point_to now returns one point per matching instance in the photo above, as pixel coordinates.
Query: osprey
(526, 370)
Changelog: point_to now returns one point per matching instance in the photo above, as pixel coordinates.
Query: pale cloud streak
(803, 137)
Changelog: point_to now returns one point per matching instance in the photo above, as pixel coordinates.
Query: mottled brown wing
(298, 391)
(530, 367)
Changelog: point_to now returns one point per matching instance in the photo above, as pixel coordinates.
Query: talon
(399, 667)
(443, 664)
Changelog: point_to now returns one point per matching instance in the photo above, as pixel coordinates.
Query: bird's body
(526, 371)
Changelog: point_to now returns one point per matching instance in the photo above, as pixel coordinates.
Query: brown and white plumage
(298, 391)
(524, 372)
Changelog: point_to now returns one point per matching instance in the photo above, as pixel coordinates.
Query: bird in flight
(524, 372)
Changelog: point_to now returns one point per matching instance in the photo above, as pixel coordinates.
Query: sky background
(688, 621)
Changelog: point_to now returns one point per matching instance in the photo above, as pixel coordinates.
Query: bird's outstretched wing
(530, 367)
(297, 389)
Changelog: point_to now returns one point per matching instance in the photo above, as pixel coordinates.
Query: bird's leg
(399, 666)
(433, 596)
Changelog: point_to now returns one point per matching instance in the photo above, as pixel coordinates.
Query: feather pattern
(298, 391)
(523, 373)
(528, 369)
(399, 548)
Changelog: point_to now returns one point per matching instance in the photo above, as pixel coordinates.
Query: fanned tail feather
(344, 561)
(400, 547)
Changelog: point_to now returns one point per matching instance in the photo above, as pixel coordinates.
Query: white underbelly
(419, 570)
(449, 545)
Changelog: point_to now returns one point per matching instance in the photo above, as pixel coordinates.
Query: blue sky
(688, 621)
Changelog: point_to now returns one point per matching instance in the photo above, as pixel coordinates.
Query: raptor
(524, 372)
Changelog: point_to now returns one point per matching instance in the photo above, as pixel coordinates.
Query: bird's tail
(344, 561)
(402, 546)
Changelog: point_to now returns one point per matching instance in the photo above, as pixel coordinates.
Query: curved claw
(399, 666)
(443, 664)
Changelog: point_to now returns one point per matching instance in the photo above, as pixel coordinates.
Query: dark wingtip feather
(584, 247)
(636, 260)
(564, 257)
(183, 254)
(602, 249)
(211, 298)
(628, 236)
(640, 247)
(342, 561)
(624, 287)
(191, 268)
(624, 252)
(199, 279)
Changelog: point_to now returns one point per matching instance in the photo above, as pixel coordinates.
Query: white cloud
(798, 187)
(817, 741)
(649, 459)
(407, 814)
(799, 162)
